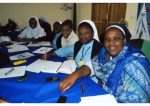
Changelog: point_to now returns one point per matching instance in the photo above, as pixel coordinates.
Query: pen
(59, 67)
(9, 71)
(45, 53)
(83, 88)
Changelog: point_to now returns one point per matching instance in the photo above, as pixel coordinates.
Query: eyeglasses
(116, 39)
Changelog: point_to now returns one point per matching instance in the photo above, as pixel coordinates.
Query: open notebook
(67, 66)
(12, 71)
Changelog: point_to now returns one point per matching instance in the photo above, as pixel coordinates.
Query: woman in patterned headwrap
(122, 70)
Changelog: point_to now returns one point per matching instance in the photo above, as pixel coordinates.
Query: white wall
(131, 15)
(53, 12)
(21, 12)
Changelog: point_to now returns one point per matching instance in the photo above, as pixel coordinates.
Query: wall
(53, 12)
(131, 15)
(21, 12)
(84, 11)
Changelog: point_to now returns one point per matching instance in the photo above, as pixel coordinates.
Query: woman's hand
(45, 57)
(3, 101)
(67, 82)
(72, 78)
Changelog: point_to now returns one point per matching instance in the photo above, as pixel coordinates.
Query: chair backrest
(137, 43)
(143, 45)
(4, 59)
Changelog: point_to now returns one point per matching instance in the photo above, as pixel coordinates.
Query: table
(34, 89)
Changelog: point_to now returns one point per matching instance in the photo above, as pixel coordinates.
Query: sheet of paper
(17, 43)
(51, 66)
(99, 99)
(17, 71)
(42, 50)
(17, 48)
(68, 67)
(21, 56)
(43, 43)
(44, 66)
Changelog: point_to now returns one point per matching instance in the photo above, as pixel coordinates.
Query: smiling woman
(122, 70)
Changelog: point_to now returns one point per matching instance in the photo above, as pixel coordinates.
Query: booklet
(67, 66)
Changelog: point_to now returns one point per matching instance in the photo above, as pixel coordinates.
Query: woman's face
(114, 41)
(85, 35)
(33, 23)
(66, 30)
(56, 28)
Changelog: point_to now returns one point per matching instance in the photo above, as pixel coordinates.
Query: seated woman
(47, 28)
(32, 32)
(122, 70)
(57, 35)
(84, 49)
(68, 35)
(10, 26)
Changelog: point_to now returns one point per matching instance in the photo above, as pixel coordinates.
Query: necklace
(81, 62)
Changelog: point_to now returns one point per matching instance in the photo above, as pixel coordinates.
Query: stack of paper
(16, 48)
(43, 43)
(12, 72)
(99, 99)
(21, 56)
(43, 65)
(67, 67)
(52, 67)
(42, 50)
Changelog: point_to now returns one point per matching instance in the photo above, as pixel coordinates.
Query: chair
(143, 45)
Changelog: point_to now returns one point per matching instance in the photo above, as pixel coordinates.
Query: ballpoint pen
(59, 67)
(9, 71)
(83, 88)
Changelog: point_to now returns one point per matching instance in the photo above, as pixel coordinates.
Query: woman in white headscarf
(33, 31)
(82, 51)
(94, 29)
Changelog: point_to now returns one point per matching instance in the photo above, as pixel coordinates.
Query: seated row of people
(40, 30)
(120, 69)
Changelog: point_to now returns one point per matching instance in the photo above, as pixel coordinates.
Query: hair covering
(94, 28)
(122, 28)
(43, 19)
(33, 33)
(13, 19)
(60, 22)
